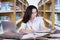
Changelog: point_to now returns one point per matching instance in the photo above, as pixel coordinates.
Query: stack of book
(17, 16)
(6, 6)
(4, 18)
(18, 5)
(57, 4)
(57, 25)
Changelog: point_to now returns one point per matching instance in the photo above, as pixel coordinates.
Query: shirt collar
(33, 21)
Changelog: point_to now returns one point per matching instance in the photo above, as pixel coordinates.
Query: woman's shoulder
(39, 17)
(23, 23)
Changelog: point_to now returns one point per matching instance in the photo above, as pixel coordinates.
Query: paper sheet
(55, 35)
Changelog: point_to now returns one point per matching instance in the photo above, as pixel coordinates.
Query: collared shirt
(37, 23)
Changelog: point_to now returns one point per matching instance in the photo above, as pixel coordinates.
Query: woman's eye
(34, 12)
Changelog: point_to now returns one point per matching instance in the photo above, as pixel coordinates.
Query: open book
(33, 35)
(36, 34)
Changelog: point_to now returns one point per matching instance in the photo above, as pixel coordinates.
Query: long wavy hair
(28, 13)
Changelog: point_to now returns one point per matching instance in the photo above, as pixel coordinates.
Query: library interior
(14, 16)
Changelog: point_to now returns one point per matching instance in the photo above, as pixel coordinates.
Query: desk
(32, 36)
(47, 36)
(10, 35)
(53, 36)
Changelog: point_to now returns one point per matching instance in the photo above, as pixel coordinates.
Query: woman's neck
(32, 19)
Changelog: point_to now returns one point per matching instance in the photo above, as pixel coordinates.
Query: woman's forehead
(33, 10)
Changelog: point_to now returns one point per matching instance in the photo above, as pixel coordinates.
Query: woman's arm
(43, 27)
(25, 31)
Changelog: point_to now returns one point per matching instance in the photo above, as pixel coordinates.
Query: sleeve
(23, 26)
(42, 26)
(41, 22)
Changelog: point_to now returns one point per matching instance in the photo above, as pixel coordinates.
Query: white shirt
(37, 23)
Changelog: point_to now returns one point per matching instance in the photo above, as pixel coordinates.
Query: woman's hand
(27, 30)
(24, 31)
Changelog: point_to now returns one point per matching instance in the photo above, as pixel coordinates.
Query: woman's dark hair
(28, 13)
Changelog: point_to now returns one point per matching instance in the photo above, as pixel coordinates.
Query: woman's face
(34, 13)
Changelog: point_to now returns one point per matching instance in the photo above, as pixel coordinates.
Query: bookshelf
(47, 9)
(13, 9)
(40, 9)
(23, 5)
(8, 9)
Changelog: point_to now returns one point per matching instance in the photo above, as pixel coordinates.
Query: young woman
(31, 21)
